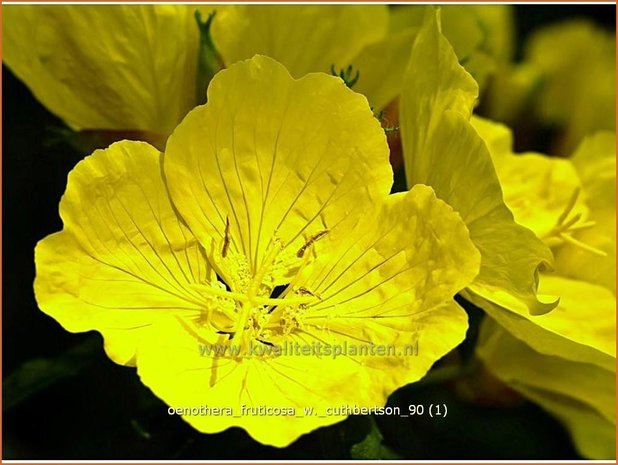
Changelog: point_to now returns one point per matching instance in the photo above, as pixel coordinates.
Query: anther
(304, 291)
(310, 242)
(226, 238)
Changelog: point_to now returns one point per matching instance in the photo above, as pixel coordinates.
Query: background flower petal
(595, 160)
(441, 149)
(382, 66)
(101, 67)
(304, 38)
(581, 328)
(581, 395)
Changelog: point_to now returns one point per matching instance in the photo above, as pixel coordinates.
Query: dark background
(86, 407)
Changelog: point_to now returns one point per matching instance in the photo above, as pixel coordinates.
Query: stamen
(565, 226)
(218, 292)
(588, 248)
(241, 323)
(310, 242)
(586, 225)
(294, 281)
(267, 263)
(255, 300)
(304, 291)
(569, 206)
(226, 238)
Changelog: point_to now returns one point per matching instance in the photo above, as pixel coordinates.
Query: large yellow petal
(386, 279)
(390, 278)
(124, 258)
(106, 67)
(305, 38)
(442, 149)
(280, 160)
(174, 365)
(582, 328)
(582, 396)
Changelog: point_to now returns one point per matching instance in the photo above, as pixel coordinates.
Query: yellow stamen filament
(564, 228)
(569, 207)
(588, 248)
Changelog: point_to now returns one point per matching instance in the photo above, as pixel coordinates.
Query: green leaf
(372, 448)
(40, 373)
(209, 62)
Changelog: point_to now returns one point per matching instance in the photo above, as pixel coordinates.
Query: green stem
(209, 61)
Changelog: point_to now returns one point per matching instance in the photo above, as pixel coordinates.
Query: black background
(103, 412)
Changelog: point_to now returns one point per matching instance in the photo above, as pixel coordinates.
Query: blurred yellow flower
(577, 63)
(581, 395)
(133, 67)
(567, 79)
(565, 360)
(119, 67)
(266, 221)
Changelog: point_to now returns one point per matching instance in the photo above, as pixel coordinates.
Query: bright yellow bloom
(564, 360)
(442, 150)
(274, 184)
(570, 203)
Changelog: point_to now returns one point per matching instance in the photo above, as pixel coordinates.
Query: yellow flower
(564, 360)
(443, 150)
(267, 221)
(133, 67)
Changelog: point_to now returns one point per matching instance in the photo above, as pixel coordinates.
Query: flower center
(249, 307)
